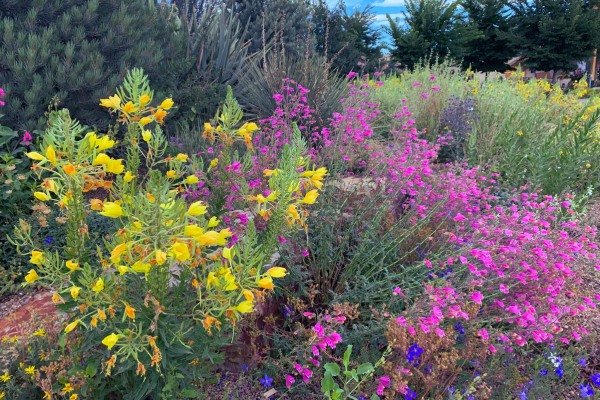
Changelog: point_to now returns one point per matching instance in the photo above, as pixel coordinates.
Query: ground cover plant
(389, 251)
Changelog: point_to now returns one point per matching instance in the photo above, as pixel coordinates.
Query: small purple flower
(49, 240)
(410, 395)
(596, 379)
(543, 372)
(586, 390)
(266, 381)
(582, 362)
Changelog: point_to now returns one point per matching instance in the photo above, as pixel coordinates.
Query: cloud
(390, 3)
(381, 19)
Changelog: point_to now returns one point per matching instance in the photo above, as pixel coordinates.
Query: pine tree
(272, 14)
(77, 51)
(346, 37)
(437, 27)
(491, 51)
(552, 34)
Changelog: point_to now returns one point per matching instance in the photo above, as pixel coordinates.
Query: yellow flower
(112, 210)
(114, 166)
(41, 196)
(145, 121)
(190, 180)
(181, 251)
(51, 155)
(147, 135)
(197, 208)
(140, 267)
(293, 212)
(41, 332)
(213, 222)
(101, 159)
(228, 253)
(269, 172)
(32, 276)
(520, 133)
(251, 127)
(130, 311)
(72, 265)
(209, 238)
(110, 340)
(75, 291)
(310, 197)
(71, 326)
(166, 104)
(144, 99)
(193, 230)
(214, 162)
(261, 199)
(30, 370)
(73, 397)
(117, 251)
(122, 269)
(104, 143)
(35, 156)
(248, 295)
(181, 157)
(129, 108)
(266, 283)
(6, 377)
(69, 169)
(161, 257)
(111, 102)
(212, 280)
(128, 177)
(36, 257)
(99, 285)
(276, 272)
(245, 307)
(170, 174)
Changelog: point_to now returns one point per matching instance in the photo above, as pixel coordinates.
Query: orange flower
(141, 369)
(96, 204)
(69, 169)
(160, 115)
(130, 311)
(208, 321)
(101, 314)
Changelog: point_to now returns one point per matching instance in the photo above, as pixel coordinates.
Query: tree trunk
(555, 76)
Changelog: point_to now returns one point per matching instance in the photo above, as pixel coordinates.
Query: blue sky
(380, 7)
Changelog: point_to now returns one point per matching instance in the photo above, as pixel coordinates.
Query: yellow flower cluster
(230, 136)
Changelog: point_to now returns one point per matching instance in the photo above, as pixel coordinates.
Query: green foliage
(491, 51)
(346, 37)
(261, 81)
(77, 50)
(552, 34)
(283, 23)
(437, 27)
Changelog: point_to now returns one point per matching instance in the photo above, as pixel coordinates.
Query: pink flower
(299, 368)
(483, 333)
(339, 319)
(477, 297)
(309, 315)
(319, 330)
(316, 351)
(504, 289)
(492, 349)
(305, 253)
(437, 89)
(459, 217)
(289, 381)
(278, 98)
(351, 74)
(315, 362)
(440, 332)
(425, 95)
(398, 291)
(432, 78)
(411, 330)
(401, 321)
(425, 328)
(282, 239)
(428, 263)
(336, 337)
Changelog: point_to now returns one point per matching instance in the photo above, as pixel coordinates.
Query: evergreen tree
(77, 51)
(291, 14)
(552, 34)
(347, 37)
(491, 51)
(437, 27)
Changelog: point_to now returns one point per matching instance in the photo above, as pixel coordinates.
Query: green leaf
(354, 375)
(190, 394)
(61, 341)
(374, 397)
(347, 356)
(327, 383)
(91, 369)
(365, 368)
(338, 393)
(333, 368)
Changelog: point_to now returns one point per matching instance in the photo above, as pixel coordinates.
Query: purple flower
(582, 362)
(596, 379)
(586, 390)
(543, 372)
(410, 395)
(266, 381)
